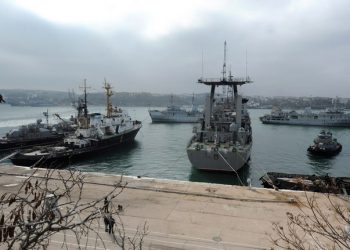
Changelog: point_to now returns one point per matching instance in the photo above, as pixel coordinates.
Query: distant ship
(332, 117)
(96, 133)
(224, 141)
(35, 134)
(174, 114)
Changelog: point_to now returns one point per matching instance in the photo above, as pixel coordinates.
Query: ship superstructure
(224, 140)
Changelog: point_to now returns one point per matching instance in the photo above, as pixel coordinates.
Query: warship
(331, 117)
(175, 114)
(325, 145)
(224, 140)
(34, 134)
(95, 133)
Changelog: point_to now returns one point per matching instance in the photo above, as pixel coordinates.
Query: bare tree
(44, 206)
(316, 226)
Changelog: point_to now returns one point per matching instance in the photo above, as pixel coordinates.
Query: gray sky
(295, 48)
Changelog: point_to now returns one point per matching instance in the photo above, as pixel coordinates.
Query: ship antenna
(224, 70)
(246, 64)
(224, 65)
(230, 78)
(46, 114)
(109, 93)
(202, 63)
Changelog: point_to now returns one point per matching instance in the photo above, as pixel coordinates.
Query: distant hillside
(58, 98)
(35, 97)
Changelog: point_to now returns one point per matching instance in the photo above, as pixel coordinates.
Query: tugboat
(325, 145)
(174, 114)
(34, 134)
(224, 141)
(96, 133)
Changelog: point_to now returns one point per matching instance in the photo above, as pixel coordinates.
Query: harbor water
(159, 150)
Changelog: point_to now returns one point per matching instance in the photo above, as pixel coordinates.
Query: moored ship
(96, 133)
(332, 117)
(224, 140)
(35, 134)
(175, 114)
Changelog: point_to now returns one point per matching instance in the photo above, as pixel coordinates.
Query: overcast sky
(294, 48)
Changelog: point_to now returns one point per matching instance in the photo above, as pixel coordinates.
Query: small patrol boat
(325, 145)
(35, 134)
(95, 133)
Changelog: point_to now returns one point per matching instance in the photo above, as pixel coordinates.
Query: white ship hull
(168, 117)
(225, 159)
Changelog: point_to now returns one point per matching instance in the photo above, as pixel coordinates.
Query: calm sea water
(160, 149)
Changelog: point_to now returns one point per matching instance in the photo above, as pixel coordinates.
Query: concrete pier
(184, 215)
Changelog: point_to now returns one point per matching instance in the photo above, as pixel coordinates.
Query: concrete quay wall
(186, 215)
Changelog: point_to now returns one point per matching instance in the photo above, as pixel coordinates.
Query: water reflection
(221, 177)
(109, 159)
(320, 165)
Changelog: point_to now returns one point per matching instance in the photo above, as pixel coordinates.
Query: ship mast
(84, 106)
(233, 82)
(224, 70)
(224, 65)
(109, 93)
(46, 114)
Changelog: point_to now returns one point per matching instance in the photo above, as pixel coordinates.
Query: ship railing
(225, 80)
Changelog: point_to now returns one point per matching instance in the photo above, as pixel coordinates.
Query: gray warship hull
(158, 117)
(224, 159)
